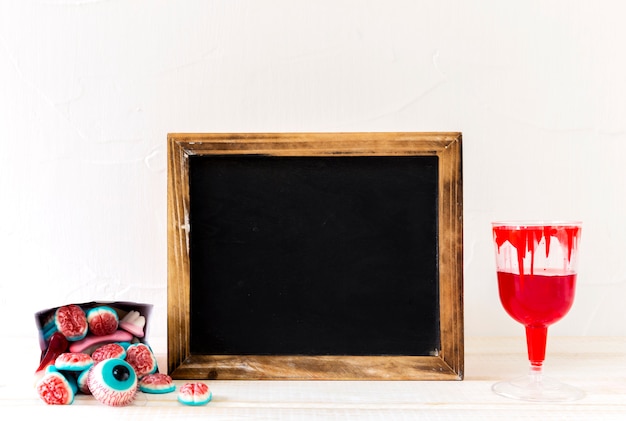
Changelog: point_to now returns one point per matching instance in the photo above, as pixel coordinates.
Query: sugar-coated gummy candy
(56, 389)
(49, 328)
(156, 383)
(102, 320)
(113, 382)
(82, 381)
(92, 350)
(71, 321)
(104, 352)
(194, 394)
(141, 358)
(73, 361)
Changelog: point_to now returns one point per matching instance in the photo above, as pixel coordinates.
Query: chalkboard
(315, 256)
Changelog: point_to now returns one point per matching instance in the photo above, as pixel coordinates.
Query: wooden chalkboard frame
(448, 364)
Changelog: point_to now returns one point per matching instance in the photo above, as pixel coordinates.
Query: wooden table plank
(597, 365)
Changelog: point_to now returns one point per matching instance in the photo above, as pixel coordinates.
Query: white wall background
(89, 90)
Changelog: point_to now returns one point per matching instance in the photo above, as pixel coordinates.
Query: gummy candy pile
(97, 350)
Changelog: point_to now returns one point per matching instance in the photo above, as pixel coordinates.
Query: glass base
(537, 389)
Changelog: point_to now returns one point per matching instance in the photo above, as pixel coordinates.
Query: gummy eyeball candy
(113, 382)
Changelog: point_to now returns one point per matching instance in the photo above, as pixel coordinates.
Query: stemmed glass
(537, 267)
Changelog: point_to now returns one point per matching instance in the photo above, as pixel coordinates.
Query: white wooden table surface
(595, 364)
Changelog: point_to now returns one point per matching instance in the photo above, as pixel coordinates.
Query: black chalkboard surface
(315, 255)
(322, 256)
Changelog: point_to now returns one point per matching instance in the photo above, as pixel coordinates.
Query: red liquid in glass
(536, 301)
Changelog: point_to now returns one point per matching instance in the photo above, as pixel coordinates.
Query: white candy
(134, 323)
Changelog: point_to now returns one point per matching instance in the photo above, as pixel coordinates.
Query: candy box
(95, 348)
(92, 324)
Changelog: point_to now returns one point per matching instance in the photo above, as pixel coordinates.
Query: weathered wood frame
(448, 365)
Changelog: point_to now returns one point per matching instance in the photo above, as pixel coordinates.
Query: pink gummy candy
(93, 340)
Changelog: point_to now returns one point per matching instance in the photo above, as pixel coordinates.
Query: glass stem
(536, 338)
(535, 375)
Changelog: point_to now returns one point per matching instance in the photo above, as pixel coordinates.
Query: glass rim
(537, 223)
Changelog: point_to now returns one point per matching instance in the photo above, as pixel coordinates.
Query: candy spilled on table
(156, 383)
(101, 349)
(194, 394)
(113, 382)
(85, 350)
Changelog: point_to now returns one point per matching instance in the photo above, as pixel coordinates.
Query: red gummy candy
(194, 388)
(141, 358)
(107, 351)
(73, 361)
(102, 320)
(56, 346)
(156, 383)
(196, 393)
(54, 389)
(71, 321)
